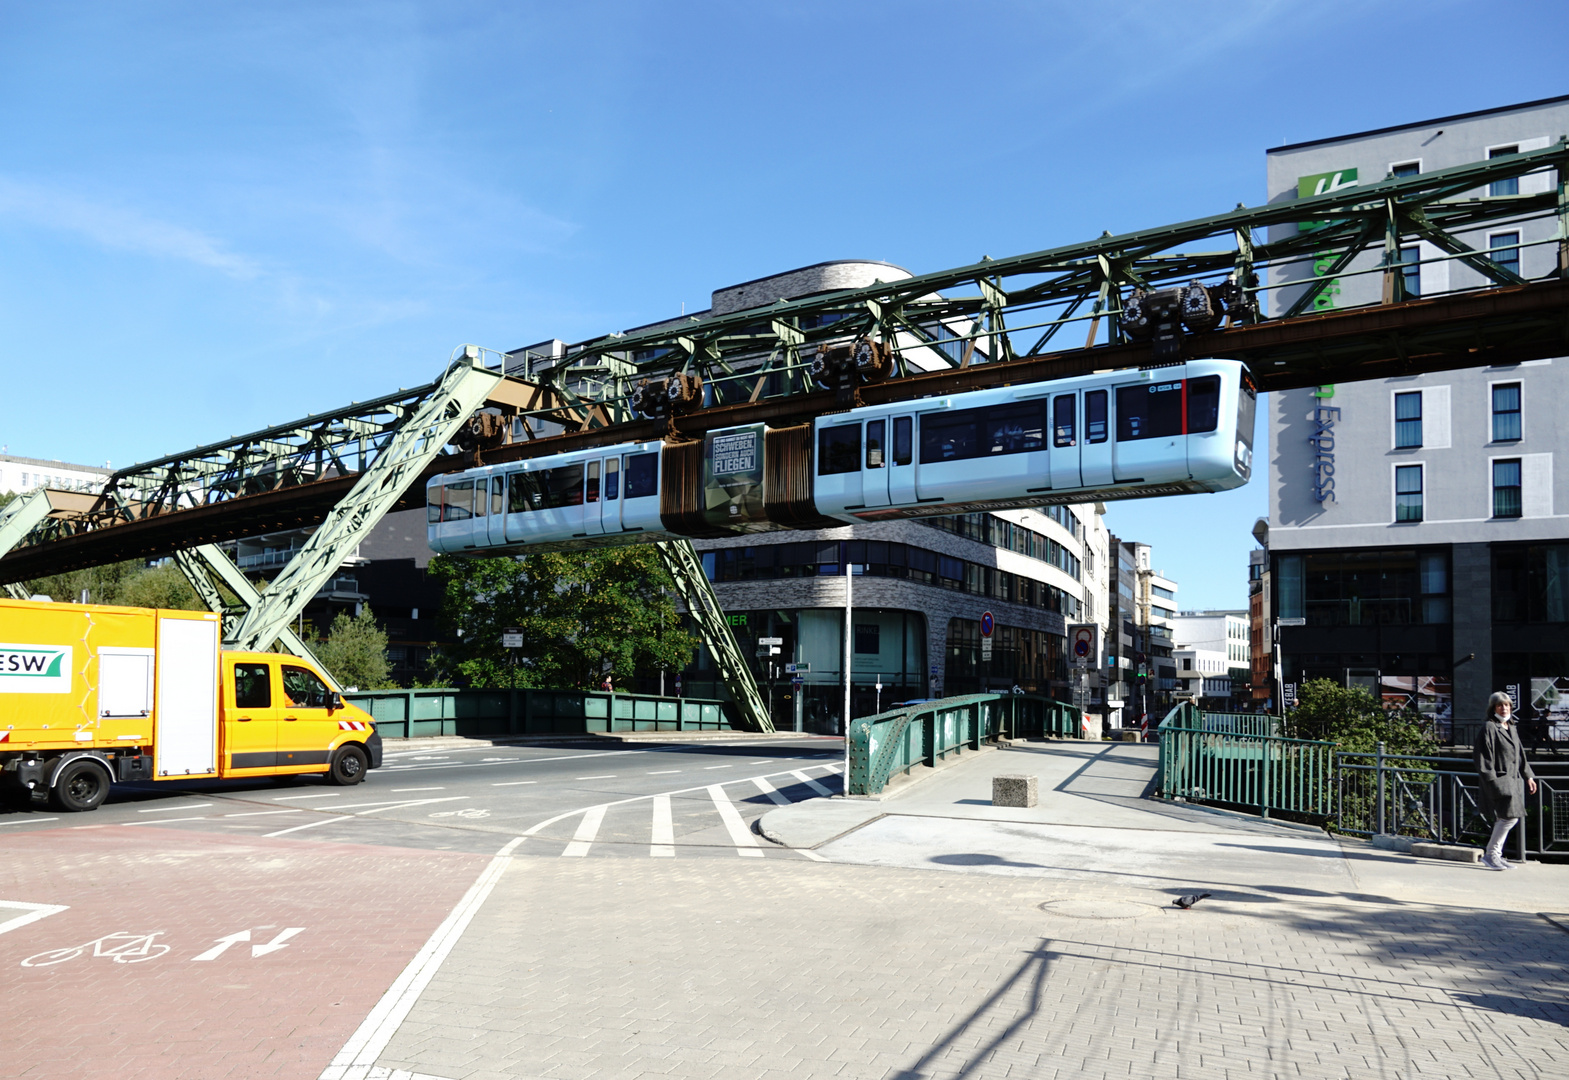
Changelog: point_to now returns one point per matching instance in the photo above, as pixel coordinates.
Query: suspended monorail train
(1169, 430)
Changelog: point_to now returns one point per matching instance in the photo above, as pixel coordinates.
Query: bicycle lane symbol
(121, 947)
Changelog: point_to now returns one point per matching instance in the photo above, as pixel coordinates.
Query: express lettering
(1322, 440)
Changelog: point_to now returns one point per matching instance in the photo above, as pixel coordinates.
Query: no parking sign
(1082, 643)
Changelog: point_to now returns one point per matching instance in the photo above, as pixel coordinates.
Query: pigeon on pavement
(1185, 902)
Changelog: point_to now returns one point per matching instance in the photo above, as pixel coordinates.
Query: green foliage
(128, 584)
(1356, 721)
(583, 615)
(355, 651)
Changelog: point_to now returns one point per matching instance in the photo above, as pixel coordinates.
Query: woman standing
(1505, 776)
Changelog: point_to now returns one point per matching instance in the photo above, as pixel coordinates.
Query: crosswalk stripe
(663, 835)
(740, 835)
(768, 789)
(809, 782)
(587, 830)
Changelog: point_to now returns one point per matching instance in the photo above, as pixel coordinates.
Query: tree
(1356, 721)
(355, 651)
(584, 615)
(128, 584)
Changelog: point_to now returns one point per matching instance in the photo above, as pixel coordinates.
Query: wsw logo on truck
(35, 669)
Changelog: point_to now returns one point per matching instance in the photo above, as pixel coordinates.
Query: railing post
(1379, 817)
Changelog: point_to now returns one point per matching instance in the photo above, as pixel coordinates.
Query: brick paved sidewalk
(617, 968)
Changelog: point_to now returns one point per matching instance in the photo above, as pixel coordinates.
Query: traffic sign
(988, 624)
(798, 669)
(797, 681)
(512, 637)
(770, 641)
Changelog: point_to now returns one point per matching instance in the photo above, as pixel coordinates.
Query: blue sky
(215, 217)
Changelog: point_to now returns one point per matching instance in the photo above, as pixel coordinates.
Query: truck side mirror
(334, 701)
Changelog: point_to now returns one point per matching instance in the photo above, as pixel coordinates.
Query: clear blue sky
(218, 216)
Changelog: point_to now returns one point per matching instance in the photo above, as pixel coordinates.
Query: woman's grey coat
(1502, 770)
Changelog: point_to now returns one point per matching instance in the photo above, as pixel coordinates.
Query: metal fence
(408, 713)
(1217, 758)
(891, 743)
(1435, 799)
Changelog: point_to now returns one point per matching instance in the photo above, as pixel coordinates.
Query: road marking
(331, 815)
(266, 813)
(768, 789)
(319, 795)
(36, 820)
(515, 783)
(662, 834)
(765, 761)
(587, 830)
(418, 789)
(181, 806)
(164, 821)
(727, 765)
(601, 776)
(376, 1031)
(745, 843)
(31, 913)
(663, 772)
(812, 855)
(278, 942)
(809, 782)
(222, 946)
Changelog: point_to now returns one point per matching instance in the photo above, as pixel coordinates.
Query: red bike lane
(192, 955)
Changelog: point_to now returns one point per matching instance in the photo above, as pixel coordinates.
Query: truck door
(308, 726)
(1065, 442)
(250, 719)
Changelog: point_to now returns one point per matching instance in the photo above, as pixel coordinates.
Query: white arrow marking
(223, 943)
(279, 942)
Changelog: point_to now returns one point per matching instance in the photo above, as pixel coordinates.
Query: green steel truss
(205, 566)
(19, 517)
(999, 309)
(682, 564)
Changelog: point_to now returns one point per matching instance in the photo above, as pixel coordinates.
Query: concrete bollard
(1015, 790)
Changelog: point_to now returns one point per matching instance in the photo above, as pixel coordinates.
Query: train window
(563, 485)
(433, 505)
(948, 436)
(903, 440)
(498, 494)
(459, 501)
(1063, 407)
(642, 475)
(839, 449)
(592, 491)
(874, 443)
(1014, 429)
(524, 494)
(612, 478)
(1149, 411)
(1204, 403)
(1095, 416)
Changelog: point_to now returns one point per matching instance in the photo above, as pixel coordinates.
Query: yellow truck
(92, 695)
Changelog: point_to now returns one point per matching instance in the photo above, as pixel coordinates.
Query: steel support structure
(19, 517)
(682, 564)
(205, 562)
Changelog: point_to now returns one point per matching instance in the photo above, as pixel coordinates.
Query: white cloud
(119, 227)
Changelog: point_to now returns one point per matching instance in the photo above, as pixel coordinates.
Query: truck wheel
(81, 785)
(348, 766)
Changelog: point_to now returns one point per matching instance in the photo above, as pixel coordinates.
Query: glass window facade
(1531, 583)
(1031, 659)
(1368, 587)
(1408, 493)
(1506, 412)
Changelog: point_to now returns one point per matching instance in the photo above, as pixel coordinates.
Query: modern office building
(1140, 670)
(1219, 641)
(1418, 541)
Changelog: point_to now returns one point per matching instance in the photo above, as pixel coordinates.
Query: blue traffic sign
(988, 624)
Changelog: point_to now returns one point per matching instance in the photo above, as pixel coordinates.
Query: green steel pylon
(18, 518)
(682, 564)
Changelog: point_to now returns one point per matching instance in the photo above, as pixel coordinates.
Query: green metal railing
(1211, 758)
(892, 743)
(403, 714)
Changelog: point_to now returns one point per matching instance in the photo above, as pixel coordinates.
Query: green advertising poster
(733, 480)
(1322, 184)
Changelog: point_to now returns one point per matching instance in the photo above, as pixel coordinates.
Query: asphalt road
(656, 801)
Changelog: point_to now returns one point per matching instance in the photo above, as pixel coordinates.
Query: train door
(610, 496)
(1065, 441)
(593, 501)
(458, 515)
(519, 486)
(1095, 438)
(901, 462)
(479, 523)
(838, 485)
(874, 478)
(496, 520)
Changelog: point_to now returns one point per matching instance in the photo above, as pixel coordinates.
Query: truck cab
(279, 716)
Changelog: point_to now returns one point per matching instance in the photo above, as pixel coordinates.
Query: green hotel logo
(35, 669)
(1323, 184)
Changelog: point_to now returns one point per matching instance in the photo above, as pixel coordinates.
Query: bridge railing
(1213, 758)
(403, 714)
(894, 742)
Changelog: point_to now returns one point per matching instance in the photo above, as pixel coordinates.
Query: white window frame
(1394, 422)
(1393, 165)
(1520, 241)
(1512, 442)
